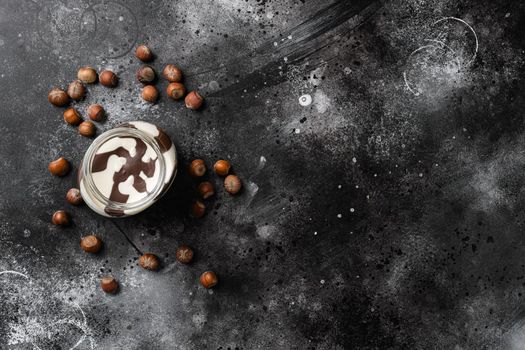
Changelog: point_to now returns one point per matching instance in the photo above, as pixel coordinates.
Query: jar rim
(90, 155)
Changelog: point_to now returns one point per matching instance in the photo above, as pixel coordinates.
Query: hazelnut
(72, 116)
(197, 168)
(74, 197)
(76, 90)
(87, 129)
(87, 75)
(206, 189)
(197, 209)
(145, 74)
(150, 93)
(184, 254)
(172, 73)
(221, 167)
(60, 218)
(108, 78)
(57, 97)
(109, 284)
(143, 53)
(175, 90)
(193, 100)
(232, 184)
(209, 279)
(91, 244)
(59, 167)
(96, 112)
(149, 262)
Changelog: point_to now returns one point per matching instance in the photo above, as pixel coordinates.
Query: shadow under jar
(127, 169)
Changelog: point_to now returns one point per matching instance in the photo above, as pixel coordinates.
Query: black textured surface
(387, 213)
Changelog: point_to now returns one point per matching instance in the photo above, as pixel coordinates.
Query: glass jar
(127, 169)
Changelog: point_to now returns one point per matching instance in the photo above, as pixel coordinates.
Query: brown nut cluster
(74, 197)
(232, 184)
(197, 168)
(198, 209)
(57, 97)
(108, 78)
(193, 100)
(96, 112)
(76, 90)
(221, 167)
(72, 116)
(184, 254)
(176, 90)
(206, 189)
(59, 167)
(209, 279)
(144, 53)
(60, 218)
(109, 284)
(149, 261)
(172, 73)
(146, 75)
(150, 93)
(87, 75)
(87, 129)
(91, 244)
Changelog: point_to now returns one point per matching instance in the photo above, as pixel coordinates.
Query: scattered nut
(172, 73)
(206, 189)
(176, 90)
(108, 78)
(59, 167)
(96, 112)
(87, 75)
(197, 168)
(145, 74)
(76, 90)
(60, 218)
(143, 53)
(150, 93)
(197, 209)
(149, 262)
(72, 116)
(74, 197)
(57, 97)
(221, 167)
(87, 129)
(184, 254)
(109, 284)
(91, 244)
(209, 279)
(232, 184)
(193, 100)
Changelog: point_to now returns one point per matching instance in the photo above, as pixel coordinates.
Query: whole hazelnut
(197, 168)
(57, 97)
(91, 244)
(60, 218)
(108, 78)
(149, 262)
(76, 90)
(145, 74)
(59, 167)
(74, 197)
(184, 254)
(206, 189)
(193, 100)
(172, 73)
(197, 209)
(221, 167)
(96, 112)
(87, 129)
(143, 53)
(209, 279)
(109, 284)
(150, 93)
(87, 75)
(176, 90)
(232, 184)
(72, 116)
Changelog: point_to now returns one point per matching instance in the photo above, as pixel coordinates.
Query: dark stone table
(381, 147)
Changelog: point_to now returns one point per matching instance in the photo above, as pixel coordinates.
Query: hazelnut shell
(149, 261)
(232, 184)
(176, 90)
(108, 78)
(91, 244)
(109, 284)
(57, 97)
(184, 254)
(197, 168)
(150, 93)
(87, 75)
(87, 129)
(221, 167)
(72, 116)
(172, 73)
(60, 218)
(144, 53)
(193, 100)
(74, 197)
(96, 112)
(76, 90)
(209, 279)
(59, 167)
